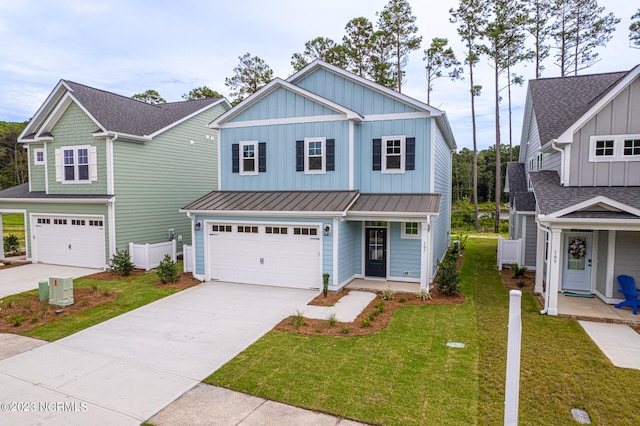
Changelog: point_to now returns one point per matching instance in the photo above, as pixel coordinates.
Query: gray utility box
(61, 291)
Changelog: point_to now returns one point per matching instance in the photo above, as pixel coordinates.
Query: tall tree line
(13, 156)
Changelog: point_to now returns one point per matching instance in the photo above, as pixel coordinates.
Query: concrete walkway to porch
(380, 285)
(618, 342)
(594, 309)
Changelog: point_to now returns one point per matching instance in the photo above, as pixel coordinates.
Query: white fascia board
(592, 224)
(445, 128)
(44, 110)
(567, 135)
(59, 110)
(363, 81)
(397, 116)
(601, 199)
(273, 85)
(119, 135)
(63, 200)
(392, 216)
(260, 213)
(222, 101)
(278, 121)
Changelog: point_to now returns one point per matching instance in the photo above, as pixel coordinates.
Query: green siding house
(106, 170)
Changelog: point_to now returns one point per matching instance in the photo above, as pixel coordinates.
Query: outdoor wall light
(327, 230)
(197, 225)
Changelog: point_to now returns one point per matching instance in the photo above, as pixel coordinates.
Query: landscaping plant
(11, 245)
(325, 286)
(168, 270)
(121, 262)
(448, 278)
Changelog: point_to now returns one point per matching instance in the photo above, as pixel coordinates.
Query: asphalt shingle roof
(553, 197)
(520, 197)
(559, 102)
(125, 115)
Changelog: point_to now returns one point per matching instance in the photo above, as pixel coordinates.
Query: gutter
(561, 151)
(546, 292)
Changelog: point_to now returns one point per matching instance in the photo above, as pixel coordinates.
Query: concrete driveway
(26, 277)
(124, 370)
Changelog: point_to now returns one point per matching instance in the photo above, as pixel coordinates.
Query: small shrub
(297, 320)
(318, 330)
(424, 295)
(121, 262)
(380, 306)
(521, 284)
(403, 299)
(375, 313)
(168, 270)
(518, 271)
(17, 319)
(11, 245)
(366, 321)
(106, 292)
(6, 262)
(34, 320)
(448, 278)
(325, 284)
(331, 319)
(463, 241)
(345, 330)
(388, 294)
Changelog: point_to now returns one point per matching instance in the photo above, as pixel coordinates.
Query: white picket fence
(187, 258)
(149, 256)
(509, 252)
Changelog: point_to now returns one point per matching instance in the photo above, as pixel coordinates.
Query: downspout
(561, 151)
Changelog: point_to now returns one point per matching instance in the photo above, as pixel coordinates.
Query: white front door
(576, 275)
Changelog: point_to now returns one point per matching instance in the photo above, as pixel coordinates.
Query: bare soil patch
(378, 321)
(525, 283)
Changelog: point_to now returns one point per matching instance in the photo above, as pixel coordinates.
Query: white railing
(149, 256)
(187, 258)
(509, 252)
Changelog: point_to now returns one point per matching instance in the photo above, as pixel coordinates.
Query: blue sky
(129, 46)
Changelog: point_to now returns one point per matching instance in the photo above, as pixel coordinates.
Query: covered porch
(594, 309)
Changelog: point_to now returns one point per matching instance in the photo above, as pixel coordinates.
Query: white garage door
(268, 254)
(69, 240)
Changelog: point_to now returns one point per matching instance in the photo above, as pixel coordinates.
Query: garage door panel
(265, 258)
(70, 240)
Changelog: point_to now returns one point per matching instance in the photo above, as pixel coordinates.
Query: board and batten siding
(59, 209)
(442, 185)
(281, 171)
(75, 128)
(282, 103)
(530, 241)
(36, 171)
(154, 180)
(411, 181)
(618, 117)
(351, 94)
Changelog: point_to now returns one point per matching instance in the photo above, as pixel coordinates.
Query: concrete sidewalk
(26, 277)
(346, 309)
(620, 343)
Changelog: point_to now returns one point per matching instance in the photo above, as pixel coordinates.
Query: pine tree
(251, 74)
(439, 57)
(634, 30)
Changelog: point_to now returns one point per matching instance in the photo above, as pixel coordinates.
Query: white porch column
(611, 256)
(425, 255)
(540, 260)
(555, 262)
(336, 252)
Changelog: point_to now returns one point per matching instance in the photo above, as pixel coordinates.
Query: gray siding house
(106, 170)
(574, 194)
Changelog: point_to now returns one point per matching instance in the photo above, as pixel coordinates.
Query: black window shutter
(299, 156)
(377, 154)
(331, 155)
(410, 154)
(262, 157)
(235, 158)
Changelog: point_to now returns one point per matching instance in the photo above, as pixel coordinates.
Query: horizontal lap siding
(281, 171)
(154, 180)
(627, 249)
(75, 128)
(404, 254)
(417, 180)
(350, 250)
(442, 185)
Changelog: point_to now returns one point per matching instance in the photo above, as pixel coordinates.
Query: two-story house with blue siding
(106, 170)
(575, 190)
(326, 173)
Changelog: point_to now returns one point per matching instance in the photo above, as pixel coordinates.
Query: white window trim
(403, 143)
(93, 166)
(403, 232)
(618, 148)
(255, 153)
(324, 156)
(35, 157)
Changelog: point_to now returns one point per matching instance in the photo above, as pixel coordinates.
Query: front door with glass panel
(376, 252)
(576, 275)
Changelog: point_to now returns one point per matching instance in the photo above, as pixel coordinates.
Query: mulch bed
(12, 265)
(19, 317)
(321, 327)
(525, 283)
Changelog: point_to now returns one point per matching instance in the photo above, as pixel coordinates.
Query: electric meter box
(61, 291)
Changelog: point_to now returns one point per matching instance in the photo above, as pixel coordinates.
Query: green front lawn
(406, 375)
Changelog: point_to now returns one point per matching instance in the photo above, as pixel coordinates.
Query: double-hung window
(393, 158)
(315, 159)
(249, 158)
(76, 164)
